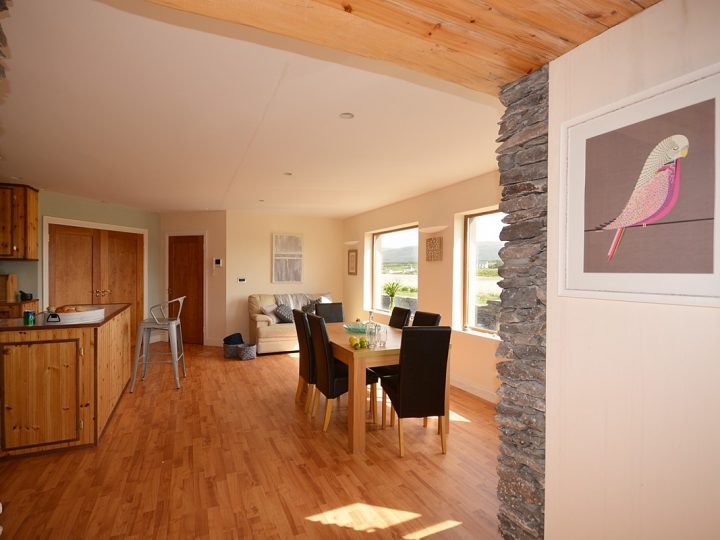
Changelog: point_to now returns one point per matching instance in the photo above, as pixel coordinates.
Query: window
(395, 269)
(482, 294)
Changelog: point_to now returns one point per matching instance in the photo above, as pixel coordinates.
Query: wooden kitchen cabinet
(59, 383)
(18, 222)
(44, 408)
(14, 310)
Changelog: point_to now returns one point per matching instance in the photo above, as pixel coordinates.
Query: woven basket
(231, 351)
(246, 351)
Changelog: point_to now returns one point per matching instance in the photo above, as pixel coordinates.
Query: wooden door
(74, 265)
(93, 266)
(185, 278)
(122, 278)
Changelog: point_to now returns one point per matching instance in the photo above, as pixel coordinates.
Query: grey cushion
(310, 308)
(269, 310)
(284, 313)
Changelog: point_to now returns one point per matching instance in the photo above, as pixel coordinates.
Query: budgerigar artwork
(656, 191)
(649, 195)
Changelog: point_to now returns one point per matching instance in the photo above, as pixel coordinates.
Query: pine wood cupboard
(61, 383)
(18, 222)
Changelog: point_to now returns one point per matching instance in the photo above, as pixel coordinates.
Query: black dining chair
(421, 318)
(331, 312)
(425, 318)
(331, 374)
(418, 390)
(399, 317)
(306, 365)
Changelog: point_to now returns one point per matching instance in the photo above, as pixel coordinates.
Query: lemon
(354, 340)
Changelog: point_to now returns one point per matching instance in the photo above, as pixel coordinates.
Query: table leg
(356, 406)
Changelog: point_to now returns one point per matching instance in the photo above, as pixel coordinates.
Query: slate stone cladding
(522, 160)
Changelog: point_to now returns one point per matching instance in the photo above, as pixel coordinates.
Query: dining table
(357, 361)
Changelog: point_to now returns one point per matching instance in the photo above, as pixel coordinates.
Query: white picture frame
(688, 288)
(287, 258)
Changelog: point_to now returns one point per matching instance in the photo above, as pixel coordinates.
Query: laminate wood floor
(231, 455)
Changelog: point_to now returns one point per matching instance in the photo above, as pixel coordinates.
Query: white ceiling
(140, 105)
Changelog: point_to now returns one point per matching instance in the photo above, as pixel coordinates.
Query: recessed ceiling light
(287, 173)
(261, 200)
(347, 116)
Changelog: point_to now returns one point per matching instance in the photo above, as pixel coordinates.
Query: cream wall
(211, 225)
(249, 252)
(473, 356)
(633, 443)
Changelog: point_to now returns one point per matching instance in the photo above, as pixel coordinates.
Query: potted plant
(391, 289)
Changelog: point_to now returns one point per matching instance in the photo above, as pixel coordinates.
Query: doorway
(186, 255)
(96, 266)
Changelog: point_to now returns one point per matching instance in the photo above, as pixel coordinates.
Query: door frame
(50, 220)
(166, 249)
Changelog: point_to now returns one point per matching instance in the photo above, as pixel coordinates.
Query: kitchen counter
(17, 323)
(61, 382)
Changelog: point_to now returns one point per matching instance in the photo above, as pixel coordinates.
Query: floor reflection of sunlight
(363, 517)
(432, 529)
(455, 417)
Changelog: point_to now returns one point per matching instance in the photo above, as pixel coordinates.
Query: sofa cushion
(269, 310)
(284, 313)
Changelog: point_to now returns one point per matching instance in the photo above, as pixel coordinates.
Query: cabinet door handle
(14, 248)
(97, 292)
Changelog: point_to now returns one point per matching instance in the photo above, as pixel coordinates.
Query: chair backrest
(425, 318)
(423, 369)
(331, 312)
(306, 367)
(161, 312)
(324, 359)
(399, 317)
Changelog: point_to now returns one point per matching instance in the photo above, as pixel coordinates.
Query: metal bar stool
(160, 320)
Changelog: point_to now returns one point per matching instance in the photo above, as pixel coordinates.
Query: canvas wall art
(640, 197)
(287, 258)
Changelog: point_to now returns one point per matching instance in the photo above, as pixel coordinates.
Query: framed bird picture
(640, 197)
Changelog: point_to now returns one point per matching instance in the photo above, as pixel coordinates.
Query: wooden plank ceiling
(480, 44)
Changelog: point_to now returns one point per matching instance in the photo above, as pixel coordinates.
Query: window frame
(375, 235)
(466, 285)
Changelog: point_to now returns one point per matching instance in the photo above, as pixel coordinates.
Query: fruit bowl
(355, 327)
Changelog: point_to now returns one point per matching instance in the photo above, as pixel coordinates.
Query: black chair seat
(385, 371)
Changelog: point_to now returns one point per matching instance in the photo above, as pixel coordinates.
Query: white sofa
(271, 336)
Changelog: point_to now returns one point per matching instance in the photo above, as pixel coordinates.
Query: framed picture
(640, 196)
(287, 258)
(352, 262)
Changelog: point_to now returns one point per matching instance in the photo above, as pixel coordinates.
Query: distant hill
(487, 251)
(400, 255)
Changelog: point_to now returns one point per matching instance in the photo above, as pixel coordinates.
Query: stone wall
(522, 159)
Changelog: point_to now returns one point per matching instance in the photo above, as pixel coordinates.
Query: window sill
(487, 335)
